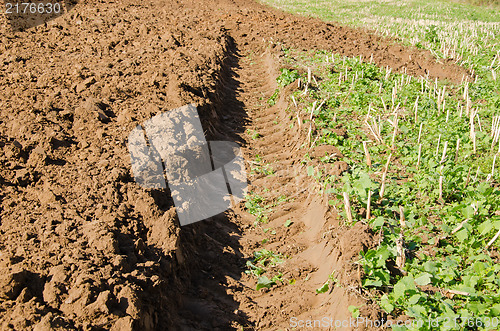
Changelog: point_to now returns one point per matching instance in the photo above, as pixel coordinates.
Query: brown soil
(84, 247)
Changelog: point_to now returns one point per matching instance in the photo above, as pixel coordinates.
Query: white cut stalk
(305, 90)
(368, 206)
(420, 132)
(382, 187)
(315, 81)
(461, 225)
(347, 205)
(493, 166)
(471, 124)
(367, 154)
(388, 73)
(456, 152)
(493, 125)
(373, 132)
(384, 175)
(308, 76)
(294, 102)
(383, 103)
(474, 142)
(402, 221)
(493, 239)
(312, 111)
(443, 158)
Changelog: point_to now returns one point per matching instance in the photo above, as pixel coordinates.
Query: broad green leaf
(263, 281)
(378, 222)
(462, 235)
(495, 310)
(323, 288)
(354, 311)
(371, 282)
(431, 267)
(417, 311)
(485, 227)
(386, 304)
(468, 211)
(414, 299)
(383, 276)
(423, 279)
(310, 170)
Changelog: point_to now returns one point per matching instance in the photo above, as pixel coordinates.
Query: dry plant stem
(471, 124)
(420, 132)
(347, 205)
(493, 239)
(459, 226)
(395, 131)
(477, 173)
(401, 257)
(402, 217)
(458, 292)
(493, 165)
(367, 154)
(474, 142)
(368, 206)
(384, 175)
(315, 81)
(443, 158)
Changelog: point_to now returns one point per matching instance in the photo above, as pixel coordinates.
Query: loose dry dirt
(84, 247)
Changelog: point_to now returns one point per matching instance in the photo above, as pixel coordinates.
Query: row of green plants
(421, 173)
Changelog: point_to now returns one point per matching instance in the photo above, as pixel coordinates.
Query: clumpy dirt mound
(82, 246)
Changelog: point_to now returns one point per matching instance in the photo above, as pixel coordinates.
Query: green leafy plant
(287, 77)
(262, 262)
